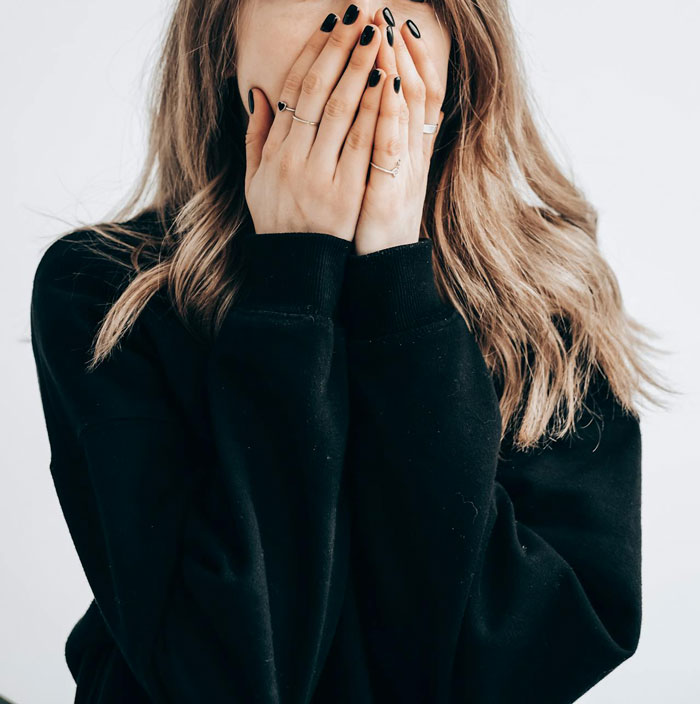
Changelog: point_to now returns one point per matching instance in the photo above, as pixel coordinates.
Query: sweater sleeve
(219, 575)
(486, 578)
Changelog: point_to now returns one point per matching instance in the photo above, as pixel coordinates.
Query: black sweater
(313, 508)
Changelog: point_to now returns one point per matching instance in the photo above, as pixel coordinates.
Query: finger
(413, 86)
(387, 140)
(434, 91)
(404, 120)
(339, 110)
(357, 150)
(325, 73)
(386, 59)
(292, 84)
(259, 122)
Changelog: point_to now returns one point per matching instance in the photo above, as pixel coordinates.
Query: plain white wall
(618, 90)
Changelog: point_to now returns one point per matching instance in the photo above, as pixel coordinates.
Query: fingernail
(367, 34)
(374, 77)
(388, 17)
(329, 22)
(397, 84)
(351, 14)
(412, 27)
(390, 35)
(251, 102)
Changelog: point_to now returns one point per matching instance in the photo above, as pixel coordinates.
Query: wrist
(367, 244)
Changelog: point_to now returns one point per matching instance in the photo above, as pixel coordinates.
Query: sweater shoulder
(84, 252)
(85, 258)
(72, 260)
(77, 280)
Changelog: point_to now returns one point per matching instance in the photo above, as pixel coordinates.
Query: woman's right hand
(297, 179)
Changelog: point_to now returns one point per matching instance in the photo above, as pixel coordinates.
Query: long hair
(514, 239)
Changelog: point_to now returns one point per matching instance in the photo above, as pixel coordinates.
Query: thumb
(259, 122)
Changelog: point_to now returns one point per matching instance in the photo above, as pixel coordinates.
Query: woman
(338, 415)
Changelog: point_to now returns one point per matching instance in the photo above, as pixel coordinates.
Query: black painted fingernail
(388, 17)
(351, 14)
(367, 34)
(412, 27)
(251, 102)
(397, 84)
(329, 22)
(390, 35)
(418, 0)
(374, 77)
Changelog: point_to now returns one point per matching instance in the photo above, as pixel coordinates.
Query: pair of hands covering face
(317, 178)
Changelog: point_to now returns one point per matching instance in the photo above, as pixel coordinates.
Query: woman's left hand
(392, 208)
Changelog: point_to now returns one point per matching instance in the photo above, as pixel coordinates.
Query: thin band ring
(428, 128)
(393, 171)
(307, 122)
(281, 105)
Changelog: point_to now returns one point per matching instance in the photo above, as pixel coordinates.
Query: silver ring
(307, 122)
(428, 128)
(281, 105)
(393, 171)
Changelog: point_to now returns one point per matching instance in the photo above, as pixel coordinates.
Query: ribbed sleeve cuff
(389, 290)
(296, 272)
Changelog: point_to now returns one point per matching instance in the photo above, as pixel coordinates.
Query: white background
(617, 85)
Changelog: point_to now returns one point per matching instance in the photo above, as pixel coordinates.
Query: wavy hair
(515, 243)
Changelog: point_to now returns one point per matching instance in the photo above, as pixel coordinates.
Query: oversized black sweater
(313, 508)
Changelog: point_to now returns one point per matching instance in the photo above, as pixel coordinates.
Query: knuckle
(400, 45)
(434, 95)
(392, 146)
(404, 114)
(336, 40)
(336, 106)
(311, 83)
(369, 102)
(357, 139)
(357, 61)
(393, 111)
(292, 83)
(419, 90)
